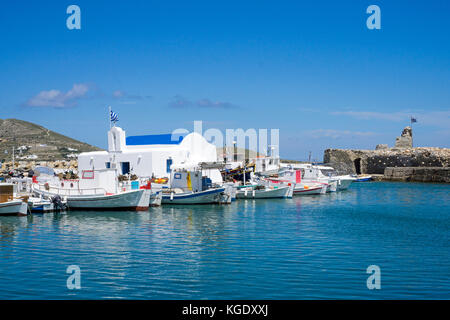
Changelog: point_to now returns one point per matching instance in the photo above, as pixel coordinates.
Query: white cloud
(206, 103)
(181, 102)
(58, 99)
(118, 94)
(122, 95)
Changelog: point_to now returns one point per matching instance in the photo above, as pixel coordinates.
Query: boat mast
(13, 151)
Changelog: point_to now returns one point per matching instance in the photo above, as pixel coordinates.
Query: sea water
(308, 247)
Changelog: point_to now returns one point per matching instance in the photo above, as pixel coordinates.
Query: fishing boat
(9, 204)
(308, 189)
(343, 182)
(301, 186)
(96, 190)
(313, 174)
(135, 200)
(261, 188)
(40, 205)
(188, 186)
(263, 192)
(178, 196)
(15, 207)
(99, 199)
(363, 178)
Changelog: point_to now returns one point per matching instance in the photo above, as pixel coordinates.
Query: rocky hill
(36, 143)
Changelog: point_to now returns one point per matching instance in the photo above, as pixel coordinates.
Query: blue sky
(311, 69)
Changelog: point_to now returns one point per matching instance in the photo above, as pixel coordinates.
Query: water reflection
(311, 246)
(9, 227)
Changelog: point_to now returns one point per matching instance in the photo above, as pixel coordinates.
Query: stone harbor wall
(375, 161)
(419, 174)
(402, 155)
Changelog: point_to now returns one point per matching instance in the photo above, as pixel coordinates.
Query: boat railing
(69, 192)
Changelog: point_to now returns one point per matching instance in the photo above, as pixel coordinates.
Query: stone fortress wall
(397, 159)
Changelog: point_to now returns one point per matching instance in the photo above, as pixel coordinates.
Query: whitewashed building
(150, 155)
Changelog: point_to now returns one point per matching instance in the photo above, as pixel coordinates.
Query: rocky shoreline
(23, 167)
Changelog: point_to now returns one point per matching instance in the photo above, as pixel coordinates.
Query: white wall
(200, 150)
(105, 179)
(148, 160)
(116, 140)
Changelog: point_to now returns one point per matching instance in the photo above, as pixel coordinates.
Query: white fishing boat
(309, 174)
(13, 208)
(344, 182)
(10, 205)
(178, 196)
(134, 200)
(40, 205)
(301, 186)
(264, 192)
(328, 175)
(96, 190)
(188, 185)
(98, 199)
(308, 189)
(261, 188)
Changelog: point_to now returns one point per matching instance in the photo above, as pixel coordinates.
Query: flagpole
(109, 116)
(412, 141)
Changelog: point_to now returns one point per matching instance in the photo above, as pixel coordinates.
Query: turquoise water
(315, 247)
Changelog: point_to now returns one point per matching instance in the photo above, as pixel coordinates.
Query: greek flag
(113, 116)
(413, 119)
